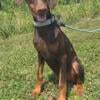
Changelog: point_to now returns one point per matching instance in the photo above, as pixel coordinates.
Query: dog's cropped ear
(52, 3)
(18, 2)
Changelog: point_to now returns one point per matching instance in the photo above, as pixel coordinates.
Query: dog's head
(40, 8)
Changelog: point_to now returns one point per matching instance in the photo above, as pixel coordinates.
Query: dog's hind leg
(78, 75)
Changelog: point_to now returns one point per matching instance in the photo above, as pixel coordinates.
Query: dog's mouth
(41, 15)
(41, 18)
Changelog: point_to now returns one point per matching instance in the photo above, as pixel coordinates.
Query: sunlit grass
(18, 67)
(18, 58)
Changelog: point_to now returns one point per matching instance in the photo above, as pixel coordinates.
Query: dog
(54, 48)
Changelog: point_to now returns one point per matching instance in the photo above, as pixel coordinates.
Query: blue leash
(80, 30)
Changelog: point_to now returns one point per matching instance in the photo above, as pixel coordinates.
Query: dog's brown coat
(54, 48)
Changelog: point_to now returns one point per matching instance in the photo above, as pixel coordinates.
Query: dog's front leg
(40, 80)
(62, 78)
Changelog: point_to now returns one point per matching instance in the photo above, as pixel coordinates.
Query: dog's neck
(45, 23)
(49, 26)
(46, 27)
(49, 32)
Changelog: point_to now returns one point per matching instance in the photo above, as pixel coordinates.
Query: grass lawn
(18, 66)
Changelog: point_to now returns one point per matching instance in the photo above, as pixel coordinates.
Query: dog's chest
(47, 48)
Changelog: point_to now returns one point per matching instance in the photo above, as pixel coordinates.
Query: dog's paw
(61, 97)
(79, 90)
(36, 91)
(38, 88)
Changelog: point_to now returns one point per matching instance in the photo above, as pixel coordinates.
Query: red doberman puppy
(54, 48)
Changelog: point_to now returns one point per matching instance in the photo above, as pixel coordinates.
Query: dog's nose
(41, 9)
(41, 6)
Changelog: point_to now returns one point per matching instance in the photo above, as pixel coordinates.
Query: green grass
(18, 20)
(18, 66)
